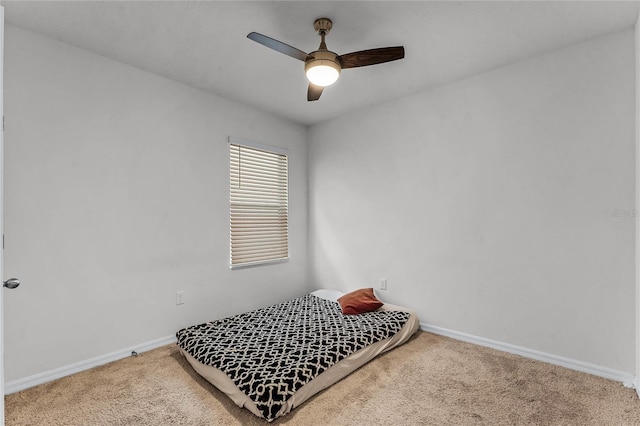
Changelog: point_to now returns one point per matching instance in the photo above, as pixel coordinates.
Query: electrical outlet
(383, 283)
(180, 297)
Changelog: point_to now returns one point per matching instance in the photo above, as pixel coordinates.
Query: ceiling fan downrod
(322, 27)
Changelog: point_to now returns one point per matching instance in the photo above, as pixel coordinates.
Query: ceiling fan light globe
(322, 75)
(322, 72)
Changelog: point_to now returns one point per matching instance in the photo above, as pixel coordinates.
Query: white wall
(501, 206)
(116, 196)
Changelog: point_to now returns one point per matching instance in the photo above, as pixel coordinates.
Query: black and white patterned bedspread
(272, 352)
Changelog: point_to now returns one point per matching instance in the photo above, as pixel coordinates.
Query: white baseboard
(40, 378)
(627, 379)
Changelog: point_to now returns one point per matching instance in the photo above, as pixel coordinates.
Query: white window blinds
(258, 205)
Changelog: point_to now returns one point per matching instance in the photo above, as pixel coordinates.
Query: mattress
(330, 375)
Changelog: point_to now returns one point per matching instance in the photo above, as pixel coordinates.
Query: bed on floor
(273, 359)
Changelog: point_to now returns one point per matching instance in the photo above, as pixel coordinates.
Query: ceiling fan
(322, 66)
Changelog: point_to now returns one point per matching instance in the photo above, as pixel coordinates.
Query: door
(637, 51)
(1, 214)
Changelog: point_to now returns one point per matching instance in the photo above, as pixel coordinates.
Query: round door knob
(12, 283)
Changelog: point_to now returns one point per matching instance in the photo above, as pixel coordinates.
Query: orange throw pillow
(359, 301)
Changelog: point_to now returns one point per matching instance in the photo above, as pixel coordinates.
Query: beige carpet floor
(431, 380)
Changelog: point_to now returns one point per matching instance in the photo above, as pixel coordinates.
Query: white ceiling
(204, 44)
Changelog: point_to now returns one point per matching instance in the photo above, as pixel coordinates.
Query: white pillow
(328, 294)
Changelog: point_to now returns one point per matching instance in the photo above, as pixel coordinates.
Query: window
(258, 199)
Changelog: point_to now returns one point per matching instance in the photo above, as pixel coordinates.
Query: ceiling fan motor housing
(323, 57)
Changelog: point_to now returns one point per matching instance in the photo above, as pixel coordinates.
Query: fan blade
(371, 57)
(278, 45)
(314, 92)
